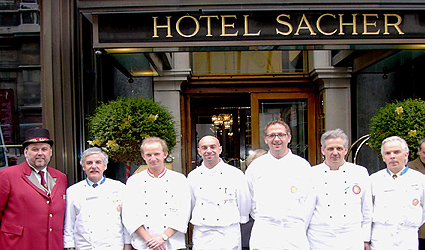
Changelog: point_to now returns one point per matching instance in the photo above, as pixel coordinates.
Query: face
(421, 152)
(38, 155)
(210, 150)
(154, 156)
(394, 156)
(334, 152)
(94, 167)
(278, 144)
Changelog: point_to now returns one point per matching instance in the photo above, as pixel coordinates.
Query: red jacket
(29, 218)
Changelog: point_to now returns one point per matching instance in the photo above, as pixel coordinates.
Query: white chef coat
(157, 204)
(343, 213)
(93, 216)
(220, 201)
(398, 209)
(282, 201)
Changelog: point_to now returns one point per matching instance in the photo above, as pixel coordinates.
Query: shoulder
(55, 173)
(378, 174)
(175, 174)
(114, 183)
(15, 171)
(194, 172)
(76, 186)
(357, 168)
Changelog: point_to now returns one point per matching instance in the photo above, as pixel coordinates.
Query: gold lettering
(341, 31)
(304, 19)
(247, 29)
(386, 24)
(156, 26)
(365, 24)
(196, 25)
(208, 23)
(224, 26)
(290, 28)
(320, 28)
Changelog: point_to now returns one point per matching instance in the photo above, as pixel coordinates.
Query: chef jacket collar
(160, 175)
(99, 183)
(400, 173)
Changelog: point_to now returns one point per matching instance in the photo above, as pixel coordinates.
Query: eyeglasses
(280, 136)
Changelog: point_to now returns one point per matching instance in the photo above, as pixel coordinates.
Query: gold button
(47, 202)
(51, 215)
(50, 229)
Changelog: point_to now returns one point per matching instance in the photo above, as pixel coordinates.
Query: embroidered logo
(294, 189)
(356, 189)
(415, 202)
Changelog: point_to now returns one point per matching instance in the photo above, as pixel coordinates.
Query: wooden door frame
(257, 132)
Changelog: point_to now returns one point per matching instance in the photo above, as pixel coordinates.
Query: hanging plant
(119, 126)
(405, 119)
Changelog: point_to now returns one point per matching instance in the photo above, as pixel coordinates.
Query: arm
(367, 208)
(69, 224)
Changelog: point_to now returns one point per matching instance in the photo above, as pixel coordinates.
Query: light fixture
(223, 119)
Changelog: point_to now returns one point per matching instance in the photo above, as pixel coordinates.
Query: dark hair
(271, 123)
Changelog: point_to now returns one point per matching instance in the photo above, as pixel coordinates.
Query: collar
(400, 173)
(99, 183)
(160, 175)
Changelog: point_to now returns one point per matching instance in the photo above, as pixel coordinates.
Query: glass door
(297, 110)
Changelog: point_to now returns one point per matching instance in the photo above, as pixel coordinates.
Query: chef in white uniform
(220, 200)
(156, 209)
(280, 184)
(93, 208)
(399, 199)
(342, 216)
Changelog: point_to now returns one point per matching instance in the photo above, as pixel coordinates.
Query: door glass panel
(294, 113)
(232, 127)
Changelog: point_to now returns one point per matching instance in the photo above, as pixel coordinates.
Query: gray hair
(421, 142)
(404, 145)
(154, 139)
(333, 134)
(92, 151)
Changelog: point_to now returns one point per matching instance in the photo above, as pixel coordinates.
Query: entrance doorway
(238, 119)
(227, 117)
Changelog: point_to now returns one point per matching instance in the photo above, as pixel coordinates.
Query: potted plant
(119, 127)
(405, 119)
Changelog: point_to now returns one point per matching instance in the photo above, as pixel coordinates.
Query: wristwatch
(164, 237)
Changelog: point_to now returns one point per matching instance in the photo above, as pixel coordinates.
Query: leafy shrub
(405, 119)
(119, 126)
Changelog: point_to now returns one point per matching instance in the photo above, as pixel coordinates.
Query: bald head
(210, 150)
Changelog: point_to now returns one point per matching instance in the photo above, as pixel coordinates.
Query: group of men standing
(334, 205)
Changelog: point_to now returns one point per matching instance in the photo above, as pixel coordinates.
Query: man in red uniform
(32, 198)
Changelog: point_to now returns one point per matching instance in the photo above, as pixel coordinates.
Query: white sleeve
(69, 224)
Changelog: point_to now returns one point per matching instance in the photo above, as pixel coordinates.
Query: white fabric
(343, 212)
(217, 238)
(157, 204)
(282, 201)
(220, 198)
(93, 216)
(398, 209)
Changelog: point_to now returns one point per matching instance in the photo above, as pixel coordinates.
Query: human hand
(156, 243)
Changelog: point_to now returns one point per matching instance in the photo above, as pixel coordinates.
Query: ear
(323, 150)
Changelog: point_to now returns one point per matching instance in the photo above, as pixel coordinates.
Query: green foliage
(405, 119)
(119, 127)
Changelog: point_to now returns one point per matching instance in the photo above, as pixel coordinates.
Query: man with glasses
(281, 191)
